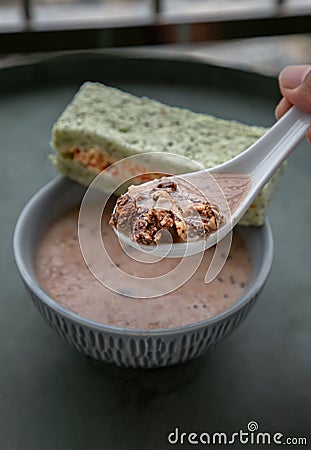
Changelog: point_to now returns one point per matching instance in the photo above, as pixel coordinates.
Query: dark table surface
(51, 397)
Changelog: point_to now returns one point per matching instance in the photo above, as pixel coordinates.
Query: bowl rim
(34, 286)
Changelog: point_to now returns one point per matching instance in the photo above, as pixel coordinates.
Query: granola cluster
(166, 205)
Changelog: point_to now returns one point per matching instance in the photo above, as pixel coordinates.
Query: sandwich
(102, 125)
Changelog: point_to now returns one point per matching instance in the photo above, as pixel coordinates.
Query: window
(143, 22)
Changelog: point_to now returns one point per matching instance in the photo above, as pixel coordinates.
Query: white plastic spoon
(250, 169)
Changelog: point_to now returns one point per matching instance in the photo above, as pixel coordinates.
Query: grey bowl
(128, 347)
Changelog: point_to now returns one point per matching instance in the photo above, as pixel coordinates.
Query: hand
(295, 86)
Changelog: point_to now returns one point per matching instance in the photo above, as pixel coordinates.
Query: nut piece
(168, 185)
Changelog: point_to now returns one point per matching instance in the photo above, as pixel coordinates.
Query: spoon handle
(278, 143)
(265, 156)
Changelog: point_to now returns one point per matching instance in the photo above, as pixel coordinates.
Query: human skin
(295, 87)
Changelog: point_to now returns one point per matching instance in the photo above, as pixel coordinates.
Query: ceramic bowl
(128, 347)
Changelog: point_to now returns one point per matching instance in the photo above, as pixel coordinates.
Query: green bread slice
(116, 124)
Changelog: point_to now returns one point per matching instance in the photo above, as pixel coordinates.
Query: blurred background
(258, 35)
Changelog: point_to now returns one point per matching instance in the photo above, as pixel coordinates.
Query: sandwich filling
(96, 161)
(91, 158)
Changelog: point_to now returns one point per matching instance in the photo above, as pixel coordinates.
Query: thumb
(295, 85)
(292, 76)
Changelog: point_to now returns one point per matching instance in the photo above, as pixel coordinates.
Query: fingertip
(282, 107)
(277, 113)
